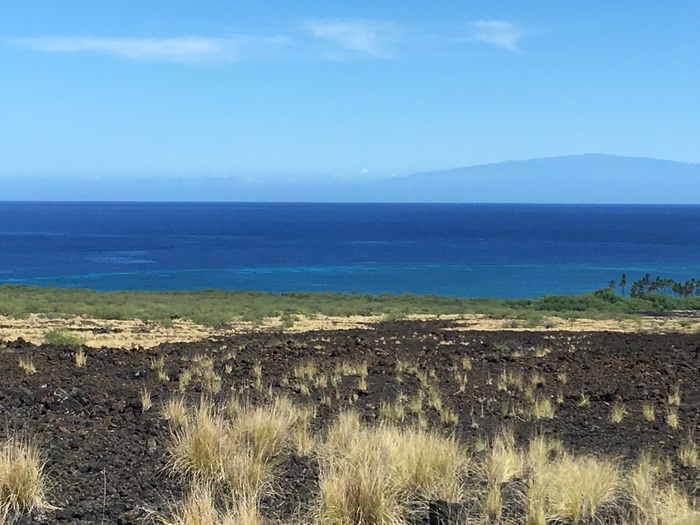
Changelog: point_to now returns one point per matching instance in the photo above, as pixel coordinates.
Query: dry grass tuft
(266, 430)
(26, 364)
(648, 411)
(541, 407)
(236, 452)
(672, 417)
(688, 452)
(674, 396)
(644, 491)
(368, 475)
(146, 402)
(80, 358)
(654, 504)
(200, 446)
(502, 463)
(573, 489)
(22, 479)
(357, 488)
(424, 464)
(617, 412)
(175, 410)
(200, 508)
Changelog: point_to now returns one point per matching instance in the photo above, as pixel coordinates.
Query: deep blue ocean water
(464, 250)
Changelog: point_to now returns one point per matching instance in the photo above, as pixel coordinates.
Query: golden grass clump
(655, 504)
(425, 464)
(146, 401)
(571, 489)
(175, 410)
(200, 508)
(541, 407)
(617, 412)
(356, 488)
(239, 449)
(368, 475)
(644, 491)
(502, 463)
(649, 411)
(672, 417)
(541, 448)
(201, 445)
(80, 358)
(688, 452)
(674, 396)
(268, 429)
(22, 479)
(26, 364)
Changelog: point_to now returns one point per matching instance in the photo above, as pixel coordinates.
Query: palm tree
(623, 283)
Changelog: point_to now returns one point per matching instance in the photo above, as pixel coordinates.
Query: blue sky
(350, 89)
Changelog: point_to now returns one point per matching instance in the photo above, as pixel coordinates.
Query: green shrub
(62, 337)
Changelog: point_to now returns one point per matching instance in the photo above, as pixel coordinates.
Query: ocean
(466, 250)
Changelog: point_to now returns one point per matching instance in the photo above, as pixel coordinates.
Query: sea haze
(468, 250)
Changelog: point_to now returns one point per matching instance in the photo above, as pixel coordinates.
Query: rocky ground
(106, 457)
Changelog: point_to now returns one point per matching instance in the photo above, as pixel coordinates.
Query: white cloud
(372, 38)
(336, 39)
(498, 33)
(179, 49)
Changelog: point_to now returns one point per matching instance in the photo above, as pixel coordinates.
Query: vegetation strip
(212, 307)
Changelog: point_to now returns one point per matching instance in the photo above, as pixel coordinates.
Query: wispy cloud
(313, 39)
(179, 49)
(498, 33)
(376, 39)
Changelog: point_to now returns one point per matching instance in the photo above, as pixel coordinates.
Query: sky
(354, 89)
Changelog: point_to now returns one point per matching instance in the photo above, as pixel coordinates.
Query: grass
(61, 337)
(235, 447)
(688, 452)
(617, 412)
(227, 454)
(26, 364)
(23, 482)
(385, 473)
(648, 411)
(146, 402)
(655, 502)
(575, 489)
(541, 408)
(674, 396)
(175, 410)
(370, 475)
(672, 418)
(501, 464)
(220, 306)
(201, 508)
(80, 358)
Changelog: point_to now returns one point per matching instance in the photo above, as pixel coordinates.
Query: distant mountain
(571, 179)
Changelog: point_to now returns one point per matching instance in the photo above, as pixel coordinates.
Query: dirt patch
(98, 333)
(107, 457)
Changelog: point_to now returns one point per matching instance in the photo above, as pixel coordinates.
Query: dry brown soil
(96, 333)
(106, 457)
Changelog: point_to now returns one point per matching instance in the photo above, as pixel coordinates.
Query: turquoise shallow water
(464, 250)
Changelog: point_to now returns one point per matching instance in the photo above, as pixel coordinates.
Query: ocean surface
(468, 250)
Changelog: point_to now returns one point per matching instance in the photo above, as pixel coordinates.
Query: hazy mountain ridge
(590, 178)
